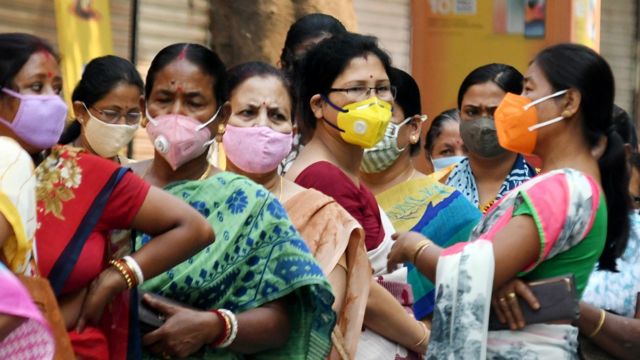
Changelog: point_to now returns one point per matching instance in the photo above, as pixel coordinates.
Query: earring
(221, 130)
(413, 139)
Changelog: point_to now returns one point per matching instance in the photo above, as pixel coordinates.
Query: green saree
(257, 257)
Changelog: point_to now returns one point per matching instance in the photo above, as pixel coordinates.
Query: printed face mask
(256, 149)
(362, 123)
(445, 162)
(383, 154)
(39, 120)
(479, 136)
(179, 138)
(107, 139)
(517, 122)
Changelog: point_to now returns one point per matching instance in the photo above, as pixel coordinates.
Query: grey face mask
(480, 137)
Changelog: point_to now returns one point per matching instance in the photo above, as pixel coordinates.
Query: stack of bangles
(425, 336)
(230, 330)
(130, 271)
(422, 246)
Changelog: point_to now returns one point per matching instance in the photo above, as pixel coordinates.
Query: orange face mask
(517, 122)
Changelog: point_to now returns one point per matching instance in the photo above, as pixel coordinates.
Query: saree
(257, 257)
(463, 180)
(332, 236)
(570, 216)
(17, 205)
(31, 340)
(68, 182)
(440, 213)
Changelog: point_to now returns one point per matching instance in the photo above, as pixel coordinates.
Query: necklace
(484, 208)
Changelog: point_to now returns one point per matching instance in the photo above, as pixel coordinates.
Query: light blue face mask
(445, 162)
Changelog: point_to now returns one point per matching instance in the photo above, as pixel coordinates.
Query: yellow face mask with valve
(362, 123)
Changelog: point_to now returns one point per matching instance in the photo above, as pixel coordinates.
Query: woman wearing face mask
(108, 104)
(80, 199)
(346, 98)
(490, 170)
(411, 200)
(304, 34)
(258, 291)
(443, 145)
(566, 220)
(258, 132)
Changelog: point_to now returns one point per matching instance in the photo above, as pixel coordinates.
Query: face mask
(107, 139)
(445, 162)
(479, 136)
(179, 138)
(39, 120)
(256, 149)
(517, 122)
(383, 154)
(362, 123)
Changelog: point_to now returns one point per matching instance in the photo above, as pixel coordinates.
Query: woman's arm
(385, 316)
(186, 331)
(619, 335)
(179, 232)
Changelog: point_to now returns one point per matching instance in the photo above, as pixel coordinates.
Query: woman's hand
(403, 249)
(101, 292)
(184, 332)
(505, 303)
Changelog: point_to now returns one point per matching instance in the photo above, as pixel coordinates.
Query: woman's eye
(446, 152)
(36, 87)
(279, 117)
(246, 112)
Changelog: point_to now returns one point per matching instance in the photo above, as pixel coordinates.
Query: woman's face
(481, 100)
(355, 83)
(182, 88)
(261, 101)
(536, 86)
(40, 75)
(448, 143)
(122, 105)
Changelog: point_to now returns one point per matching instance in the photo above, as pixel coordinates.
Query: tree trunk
(255, 30)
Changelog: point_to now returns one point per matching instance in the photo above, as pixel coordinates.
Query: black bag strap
(67, 261)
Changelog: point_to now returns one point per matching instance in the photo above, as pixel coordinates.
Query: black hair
(326, 61)
(623, 125)
(407, 97)
(307, 27)
(436, 128)
(240, 73)
(100, 76)
(204, 58)
(572, 66)
(505, 76)
(16, 49)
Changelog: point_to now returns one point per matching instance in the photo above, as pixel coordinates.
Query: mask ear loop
(213, 118)
(536, 102)
(326, 99)
(149, 117)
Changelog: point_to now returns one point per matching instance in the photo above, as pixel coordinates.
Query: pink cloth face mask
(178, 138)
(40, 119)
(257, 149)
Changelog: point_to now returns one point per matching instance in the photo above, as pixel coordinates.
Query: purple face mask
(39, 120)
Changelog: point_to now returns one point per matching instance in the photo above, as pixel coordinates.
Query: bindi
(49, 74)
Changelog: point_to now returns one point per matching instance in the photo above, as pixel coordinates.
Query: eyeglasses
(384, 92)
(112, 116)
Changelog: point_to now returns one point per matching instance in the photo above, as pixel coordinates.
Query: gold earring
(413, 139)
(221, 130)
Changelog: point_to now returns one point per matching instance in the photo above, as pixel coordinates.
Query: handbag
(43, 297)
(150, 318)
(557, 298)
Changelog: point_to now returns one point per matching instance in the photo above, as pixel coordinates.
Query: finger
(81, 324)
(504, 305)
(160, 305)
(395, 236)
(524, 292)
(514, 306)
(153, 337)
(498, 311)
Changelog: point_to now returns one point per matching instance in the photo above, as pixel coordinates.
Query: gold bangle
(123, 271)
(603, 315)
(425, 336)
(422, 245)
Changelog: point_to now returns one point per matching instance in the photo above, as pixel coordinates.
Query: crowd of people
(319, 238)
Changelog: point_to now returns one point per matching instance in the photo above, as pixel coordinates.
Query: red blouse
(54, 233)
(359, 202)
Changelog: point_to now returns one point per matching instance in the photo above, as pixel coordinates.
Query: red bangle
(225, 332)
